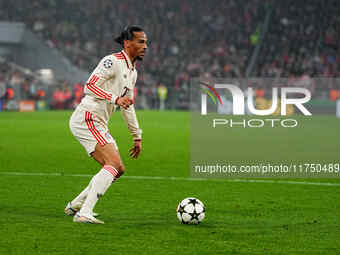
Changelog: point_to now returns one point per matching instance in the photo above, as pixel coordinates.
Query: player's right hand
(136, 149)
(124, 102)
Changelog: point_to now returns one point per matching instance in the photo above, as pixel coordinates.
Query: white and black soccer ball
(190, 211)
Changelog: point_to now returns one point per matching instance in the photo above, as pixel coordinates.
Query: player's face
(138, 45)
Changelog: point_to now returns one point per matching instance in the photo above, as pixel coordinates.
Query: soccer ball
(190, 211)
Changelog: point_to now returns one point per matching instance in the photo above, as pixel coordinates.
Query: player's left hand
(136, 149)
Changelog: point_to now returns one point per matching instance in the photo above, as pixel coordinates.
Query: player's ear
(126, 43)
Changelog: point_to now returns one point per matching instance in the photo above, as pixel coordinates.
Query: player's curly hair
(127, 34)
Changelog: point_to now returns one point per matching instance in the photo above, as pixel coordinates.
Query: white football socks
(80, 199)
(97, 187)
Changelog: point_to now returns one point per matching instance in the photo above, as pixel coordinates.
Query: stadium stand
(191, 37)
(302, 39)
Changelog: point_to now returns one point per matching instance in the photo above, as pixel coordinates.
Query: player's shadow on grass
(34, 212)
(162, 223)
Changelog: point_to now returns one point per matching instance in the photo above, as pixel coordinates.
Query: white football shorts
(89, 131)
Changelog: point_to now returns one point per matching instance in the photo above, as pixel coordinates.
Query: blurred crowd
(187, 38)
(192, 38)
(18, 83)
(303, 39)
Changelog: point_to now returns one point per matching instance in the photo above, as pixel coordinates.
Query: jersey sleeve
(131, 119)
(106, 69)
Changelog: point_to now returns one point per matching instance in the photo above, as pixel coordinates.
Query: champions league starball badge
(108, 63)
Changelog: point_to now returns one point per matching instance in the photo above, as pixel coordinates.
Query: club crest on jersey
(125, 76)
(107, 63)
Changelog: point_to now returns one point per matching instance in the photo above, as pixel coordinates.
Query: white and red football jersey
(114, 77)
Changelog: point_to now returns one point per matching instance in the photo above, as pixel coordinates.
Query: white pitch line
(178, 178)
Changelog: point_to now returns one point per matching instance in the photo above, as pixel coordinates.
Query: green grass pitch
(139, 213)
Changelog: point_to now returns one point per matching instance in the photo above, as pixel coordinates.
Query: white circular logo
(107, 63)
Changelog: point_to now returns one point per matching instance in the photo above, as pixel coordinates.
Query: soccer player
(110, 85)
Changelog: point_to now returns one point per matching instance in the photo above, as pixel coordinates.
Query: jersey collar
(128, 61)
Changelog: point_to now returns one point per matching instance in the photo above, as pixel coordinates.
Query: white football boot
(72, 210)
(86, 219)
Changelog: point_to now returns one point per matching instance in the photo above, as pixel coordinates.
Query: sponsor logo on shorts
(108, 136)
